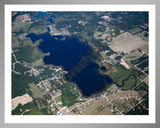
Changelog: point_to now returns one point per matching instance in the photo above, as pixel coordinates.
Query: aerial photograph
(80, 63)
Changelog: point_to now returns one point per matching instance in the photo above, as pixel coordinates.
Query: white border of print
(73, 118)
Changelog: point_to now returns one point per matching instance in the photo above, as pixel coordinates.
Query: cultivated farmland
(127, 42)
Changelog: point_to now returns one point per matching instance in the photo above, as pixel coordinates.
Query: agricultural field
(126, 42)
(133, 55)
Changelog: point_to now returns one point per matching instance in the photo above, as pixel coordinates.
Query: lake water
(40, 14)
(76, 57)
(51, 19)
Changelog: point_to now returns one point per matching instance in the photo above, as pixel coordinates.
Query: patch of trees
(142, 87)
(38, 26)
(47, 73)
(20, 83)
(136, 72)
(144, 57)
(140, 109)
(118, 57)
(20, 68)
(101, 28)
(132, 22)
(110, 52)
(102, 46)
(143, 65)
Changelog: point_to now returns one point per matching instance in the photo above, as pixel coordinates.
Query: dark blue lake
(76, 57)
(51, 19)
(40, 14)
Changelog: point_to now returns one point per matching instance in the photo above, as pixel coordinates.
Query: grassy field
(145, 49)
(39, 62)
(37, 93)
(97, 33)
(104, 56)
(133, 56)
(120, 74)
(84, 35)
(102, 34)
(38, 27)
(27, 41)
(58, 99)
(123, 74)
(129, 84)
(15, 41)
(135, 30)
